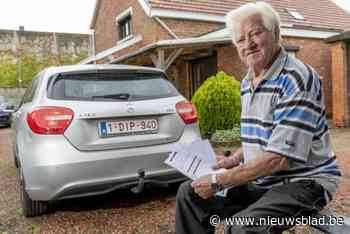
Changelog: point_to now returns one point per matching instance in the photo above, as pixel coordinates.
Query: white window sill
(125, 39)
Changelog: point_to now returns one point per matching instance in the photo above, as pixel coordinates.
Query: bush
(218, 104)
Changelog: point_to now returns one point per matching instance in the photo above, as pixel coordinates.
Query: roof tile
(317, 13)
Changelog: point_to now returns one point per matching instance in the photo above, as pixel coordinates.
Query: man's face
(256, 45)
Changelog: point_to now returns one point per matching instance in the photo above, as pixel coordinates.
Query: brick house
(188, 39)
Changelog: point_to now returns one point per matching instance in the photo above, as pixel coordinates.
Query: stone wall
(25, 53)
(13, 43)
(13, 94)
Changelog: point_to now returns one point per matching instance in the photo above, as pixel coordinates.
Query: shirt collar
(276, 67)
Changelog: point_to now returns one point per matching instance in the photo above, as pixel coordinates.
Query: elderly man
(285, 167)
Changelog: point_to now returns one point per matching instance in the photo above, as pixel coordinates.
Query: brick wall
(106, 29)
(318, 54)
(190, 28)
(13, 94)
(106, 33)
(229, 62)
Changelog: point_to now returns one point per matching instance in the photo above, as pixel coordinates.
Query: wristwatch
(216, 187)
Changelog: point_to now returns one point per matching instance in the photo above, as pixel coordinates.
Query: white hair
(270, 18)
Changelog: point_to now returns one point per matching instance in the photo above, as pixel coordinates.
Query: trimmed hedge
(218, 104)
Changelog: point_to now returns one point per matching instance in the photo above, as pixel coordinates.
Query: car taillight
(50, 120)
(187, 111)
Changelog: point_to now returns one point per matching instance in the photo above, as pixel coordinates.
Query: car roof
(93, 67)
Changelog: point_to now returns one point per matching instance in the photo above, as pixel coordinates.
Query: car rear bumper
(53, 169)
(89, 188)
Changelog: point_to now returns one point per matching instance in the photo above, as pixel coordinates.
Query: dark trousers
(294, 199)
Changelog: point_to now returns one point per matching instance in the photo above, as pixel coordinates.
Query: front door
(202, 68)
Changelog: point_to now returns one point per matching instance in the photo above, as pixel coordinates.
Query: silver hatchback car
(90, 129)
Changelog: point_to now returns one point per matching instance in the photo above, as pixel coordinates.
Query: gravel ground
(122, 212)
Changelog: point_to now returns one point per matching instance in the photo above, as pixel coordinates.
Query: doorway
(201, 69)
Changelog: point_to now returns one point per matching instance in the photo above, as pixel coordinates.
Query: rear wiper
(121, 96)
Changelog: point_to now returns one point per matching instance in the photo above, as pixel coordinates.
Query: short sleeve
(295, 121)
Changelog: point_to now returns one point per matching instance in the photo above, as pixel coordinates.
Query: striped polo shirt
(285, 114)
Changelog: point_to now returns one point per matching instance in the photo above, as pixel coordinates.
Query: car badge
(130, 109)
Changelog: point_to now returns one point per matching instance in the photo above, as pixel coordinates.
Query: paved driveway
(121, 212)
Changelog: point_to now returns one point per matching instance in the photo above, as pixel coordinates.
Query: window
(30, 91)
(124, 27)
(124, 24)
(112, 86)
(295, 14)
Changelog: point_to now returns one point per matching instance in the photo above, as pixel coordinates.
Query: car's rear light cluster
(50, 120)
(187, 111)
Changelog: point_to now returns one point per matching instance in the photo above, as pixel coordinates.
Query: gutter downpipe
(93, 45)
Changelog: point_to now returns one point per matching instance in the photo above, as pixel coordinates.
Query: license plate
(128, 127)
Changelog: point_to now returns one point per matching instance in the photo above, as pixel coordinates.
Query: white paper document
(194, 160)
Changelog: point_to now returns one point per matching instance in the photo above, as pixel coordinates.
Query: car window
(31, 90)
(29, 94)
(111, 87)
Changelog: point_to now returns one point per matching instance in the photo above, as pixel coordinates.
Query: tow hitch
(141, 183)
(142, 180)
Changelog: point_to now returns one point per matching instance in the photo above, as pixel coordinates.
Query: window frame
(124, 24)
(295, 14)
(124, 27)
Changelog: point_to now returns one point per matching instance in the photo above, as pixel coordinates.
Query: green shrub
(218, 104)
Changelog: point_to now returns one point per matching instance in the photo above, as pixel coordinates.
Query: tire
(30, 208)
(15, 160)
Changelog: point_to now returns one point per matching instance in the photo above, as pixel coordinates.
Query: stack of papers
(194, 160)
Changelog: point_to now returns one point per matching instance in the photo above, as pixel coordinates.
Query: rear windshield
(110, 87)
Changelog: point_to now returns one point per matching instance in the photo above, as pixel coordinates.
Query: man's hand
(229, 162)
(202, 186)
(226, 162)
